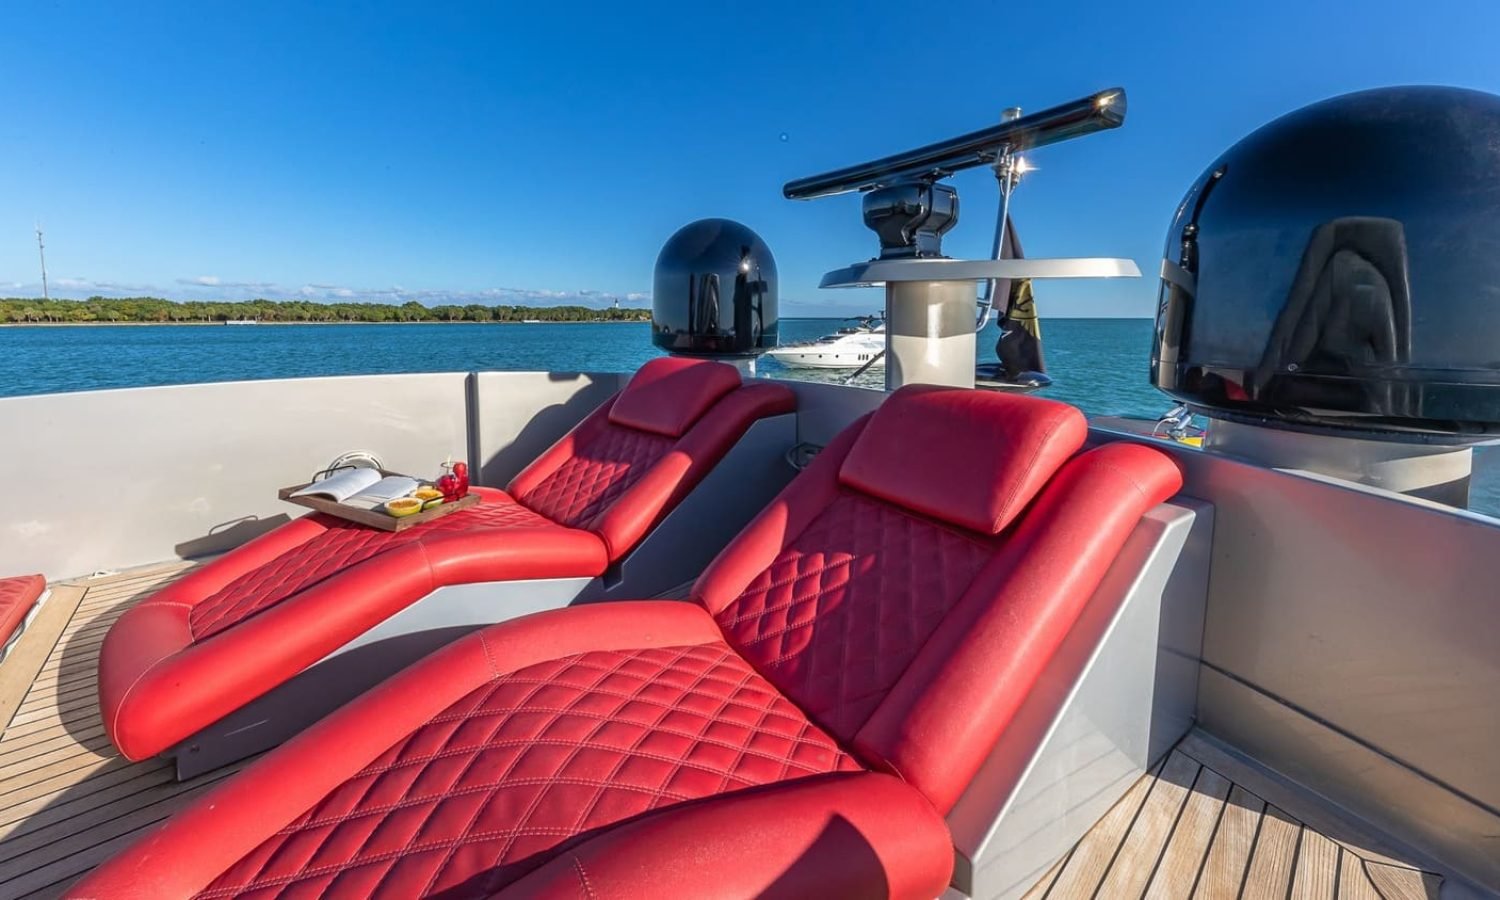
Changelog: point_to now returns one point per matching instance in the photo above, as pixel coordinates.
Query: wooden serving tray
(374, 518)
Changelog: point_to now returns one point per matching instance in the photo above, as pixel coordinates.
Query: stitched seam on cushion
(750, 707)
(583, 878)
(169, 603)
(1129, 478)
(114, 720)
(372, 783)
(494, 669)
(305, 874)
(609, 692)
(531, 807)
(409, 802)
(761, 612)
(463, 773)
(1016, 487)
(789, 628)
(625, 757)
(876, 692)
(460, 751)
(890, 508)
(627, 483)
(295, 826)
(830, 747)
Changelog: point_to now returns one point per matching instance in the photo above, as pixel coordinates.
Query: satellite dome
(715, 292)
(1340, 267)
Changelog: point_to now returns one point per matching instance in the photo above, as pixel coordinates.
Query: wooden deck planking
(1229, 853)
(1317, 875)
(1188, 829)
(1092, 856)
(1136, 860)
(67, 800)
(1177, 872)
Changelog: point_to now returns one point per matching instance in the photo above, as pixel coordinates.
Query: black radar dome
(715, 292)
(1340, 267)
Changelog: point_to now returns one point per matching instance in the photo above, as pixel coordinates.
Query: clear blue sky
(542, 151)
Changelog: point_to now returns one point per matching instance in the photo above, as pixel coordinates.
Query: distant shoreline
(258, 324)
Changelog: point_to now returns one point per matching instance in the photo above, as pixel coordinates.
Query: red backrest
(910, 585)
(629, 462)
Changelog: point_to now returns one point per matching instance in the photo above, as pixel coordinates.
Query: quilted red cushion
(839, 614)
(342, 545)
(598, 472)
(17, 596)
(667, 395)
(972, 458)
(521, 767)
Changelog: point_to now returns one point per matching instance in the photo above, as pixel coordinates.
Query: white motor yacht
(861, 345)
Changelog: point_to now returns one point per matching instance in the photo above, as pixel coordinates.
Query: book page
(342, 486)
(388, 488)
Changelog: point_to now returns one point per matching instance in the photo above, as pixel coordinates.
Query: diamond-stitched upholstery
(501, 781)
(596, 475)
(343, 544)
(838, 616)
(240, 626)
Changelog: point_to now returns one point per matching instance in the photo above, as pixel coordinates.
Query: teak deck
(1189, 830)
(68, 801)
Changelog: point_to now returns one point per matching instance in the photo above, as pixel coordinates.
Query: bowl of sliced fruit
(403, 506)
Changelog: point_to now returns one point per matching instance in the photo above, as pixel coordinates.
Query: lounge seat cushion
(522, 745)
(243, 624)
(226, 633)
(668, 396)
(17, 596)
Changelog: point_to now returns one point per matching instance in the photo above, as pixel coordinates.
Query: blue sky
(542, 151)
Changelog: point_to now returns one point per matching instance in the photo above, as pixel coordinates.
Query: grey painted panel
(1439, 825)
(148, 474)
(686, 541)
(823, 410)
(1376, 615)
(517, 415)
(1120, 692)
(1365, 614)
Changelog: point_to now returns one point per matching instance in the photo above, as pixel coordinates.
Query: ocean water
(1099, 365)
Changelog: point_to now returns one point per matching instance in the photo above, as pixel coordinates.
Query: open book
(362, 488)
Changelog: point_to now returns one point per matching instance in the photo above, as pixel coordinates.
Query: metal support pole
(929, 333)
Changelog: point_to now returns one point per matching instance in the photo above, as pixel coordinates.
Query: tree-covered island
(153, 310)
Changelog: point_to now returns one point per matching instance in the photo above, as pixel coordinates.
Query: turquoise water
(1098, 364)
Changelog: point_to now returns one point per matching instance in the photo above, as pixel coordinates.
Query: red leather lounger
(232, 630)
(800, 730)
(17, 597)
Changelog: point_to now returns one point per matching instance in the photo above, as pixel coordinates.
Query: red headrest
(669, 394)
(971, 458)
